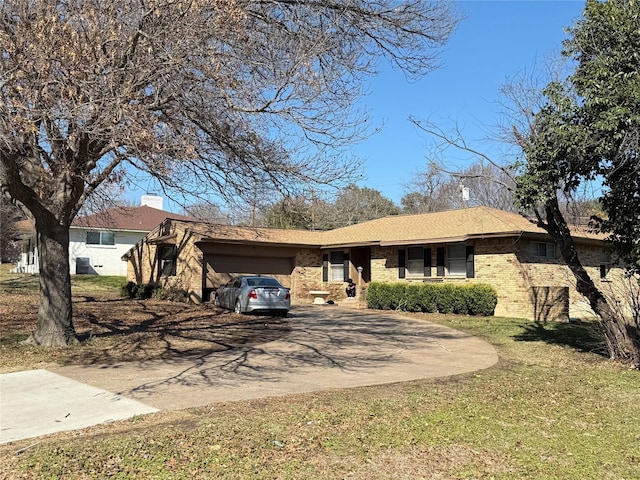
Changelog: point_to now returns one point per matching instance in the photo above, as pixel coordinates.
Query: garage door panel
(221, 268)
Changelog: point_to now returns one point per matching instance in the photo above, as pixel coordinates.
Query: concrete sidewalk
(326, 348)
(38, 402)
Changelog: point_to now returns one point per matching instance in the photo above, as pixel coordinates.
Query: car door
(224, 295)
(233, 292)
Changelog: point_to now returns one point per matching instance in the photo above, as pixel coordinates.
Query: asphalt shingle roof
(452, 225)
(142, 219)
(255, 234)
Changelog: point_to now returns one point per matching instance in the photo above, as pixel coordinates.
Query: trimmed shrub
(482, 299)
(373, 296)
(129, 289)
(382, 296)
(460, 299)
(475, 299)
(140, 291)
(173, 294)
(413, 298)
(397, 292)
(429, 298)
(445, 298)
(146, 290)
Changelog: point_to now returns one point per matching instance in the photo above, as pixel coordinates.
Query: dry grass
(114, 329)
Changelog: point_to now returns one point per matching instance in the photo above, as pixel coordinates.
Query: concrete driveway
(326, 347)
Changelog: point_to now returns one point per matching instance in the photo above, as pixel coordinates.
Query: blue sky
(495, 41)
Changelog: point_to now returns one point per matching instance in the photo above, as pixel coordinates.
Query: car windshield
(262, 282)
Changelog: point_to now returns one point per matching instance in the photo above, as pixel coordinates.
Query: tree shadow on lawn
(581, 336)
(179, 329)
(121, 330)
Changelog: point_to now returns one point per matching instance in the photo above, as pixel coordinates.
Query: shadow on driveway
(316, 348)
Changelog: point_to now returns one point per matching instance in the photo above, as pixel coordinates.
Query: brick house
(479, 244)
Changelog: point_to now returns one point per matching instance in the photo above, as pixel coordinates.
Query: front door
(361, 257)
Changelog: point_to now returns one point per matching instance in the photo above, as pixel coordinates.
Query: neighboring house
(472, 245)
(98, 242)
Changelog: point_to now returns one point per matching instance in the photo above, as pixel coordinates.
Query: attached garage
(223, 261)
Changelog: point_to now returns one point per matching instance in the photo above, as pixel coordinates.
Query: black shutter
(325, 267)
(427, 262)
(346, 274)
(440, 261)
(470, 262)
(401, 264)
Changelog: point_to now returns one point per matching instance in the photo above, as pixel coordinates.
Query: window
(336, 267)
(101, 238)
(457, 259)
(167, 257)
(544, 250)
(415, 261)
(605, 265)
(418, 263)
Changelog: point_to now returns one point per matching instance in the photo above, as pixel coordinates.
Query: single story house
(97, 242)
(478, 244)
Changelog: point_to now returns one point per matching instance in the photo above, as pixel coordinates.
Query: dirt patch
(114, 329)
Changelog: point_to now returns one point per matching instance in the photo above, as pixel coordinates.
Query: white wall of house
(28, 262)
(83, 258)
(100, 259)
(90, 258)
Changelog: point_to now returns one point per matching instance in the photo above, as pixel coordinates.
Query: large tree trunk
(620, 342)
(55, 313)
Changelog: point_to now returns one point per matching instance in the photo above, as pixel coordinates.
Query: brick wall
(509, 266)
(307, 274)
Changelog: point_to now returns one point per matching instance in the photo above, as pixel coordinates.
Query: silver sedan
(252, 294)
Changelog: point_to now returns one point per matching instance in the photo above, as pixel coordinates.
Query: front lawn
(552, 408)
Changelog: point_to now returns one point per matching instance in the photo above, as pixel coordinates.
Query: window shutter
(347, 271)
(427, 262)
(402, 271)
(440, 261)
(325, 267)
(174, 261)
(470, 262)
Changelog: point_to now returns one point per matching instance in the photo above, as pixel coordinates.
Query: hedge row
(473, 299)
(145, 291)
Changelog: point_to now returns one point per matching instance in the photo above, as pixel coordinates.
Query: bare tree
(208, 212)
(355, 205)
(431, 190)
(437, 189)
(489, 185)
(206, 95)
